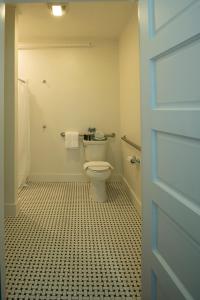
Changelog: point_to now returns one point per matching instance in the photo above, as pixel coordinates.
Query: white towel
(71, 139)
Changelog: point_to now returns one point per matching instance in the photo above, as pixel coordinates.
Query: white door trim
(2, 274)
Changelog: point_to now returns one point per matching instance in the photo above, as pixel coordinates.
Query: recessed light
(57, 10)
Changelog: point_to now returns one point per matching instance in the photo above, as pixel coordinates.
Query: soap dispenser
(91, 132)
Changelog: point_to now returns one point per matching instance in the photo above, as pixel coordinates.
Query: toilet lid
(98, 168)
(97, 165)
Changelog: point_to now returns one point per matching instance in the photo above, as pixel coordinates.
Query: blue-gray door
(170, 88)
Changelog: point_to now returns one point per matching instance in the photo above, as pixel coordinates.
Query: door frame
(2, 268)
(2, 142)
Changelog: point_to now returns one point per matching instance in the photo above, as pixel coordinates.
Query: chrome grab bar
(124, 138)
(82, 134)
(21, 80)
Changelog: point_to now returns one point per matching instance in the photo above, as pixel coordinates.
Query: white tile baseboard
(59, 177)
(11, 209)
(132, 195)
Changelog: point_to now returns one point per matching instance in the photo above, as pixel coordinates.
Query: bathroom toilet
(97, 169)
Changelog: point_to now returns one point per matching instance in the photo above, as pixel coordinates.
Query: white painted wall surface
(24, 155)
(130, 101)
(82, 90)
(10, 109)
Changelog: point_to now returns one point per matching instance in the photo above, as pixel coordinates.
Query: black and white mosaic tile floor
(63, 245)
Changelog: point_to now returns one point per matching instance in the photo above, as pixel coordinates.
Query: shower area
(24, 152)
(70, 74)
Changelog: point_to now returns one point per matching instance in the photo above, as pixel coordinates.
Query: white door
(170, 67)
(2, 273)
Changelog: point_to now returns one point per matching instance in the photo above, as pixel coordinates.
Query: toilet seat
(97, 166)
(98, 172)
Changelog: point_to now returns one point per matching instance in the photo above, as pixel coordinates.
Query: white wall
(130, 101)
(11, 201)
(82, 90)
(23, 167)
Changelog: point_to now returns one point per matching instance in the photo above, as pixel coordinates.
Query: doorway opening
(66, 75)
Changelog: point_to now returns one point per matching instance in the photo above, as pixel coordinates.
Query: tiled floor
(63, 245)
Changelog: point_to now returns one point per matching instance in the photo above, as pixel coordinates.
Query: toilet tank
(95, 150)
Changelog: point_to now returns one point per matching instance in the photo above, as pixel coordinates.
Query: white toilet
(97, 169)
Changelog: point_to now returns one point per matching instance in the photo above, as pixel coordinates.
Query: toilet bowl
(97, 169)
(98, 172)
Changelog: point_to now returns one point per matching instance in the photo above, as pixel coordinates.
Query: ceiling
(83, 20)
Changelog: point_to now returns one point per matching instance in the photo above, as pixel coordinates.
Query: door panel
(177, 78)
(165, 13)
(170, 91)
(185, 162)
(176, 248)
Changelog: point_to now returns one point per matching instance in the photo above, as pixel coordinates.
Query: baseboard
(115, 177)
(66, 178)
(53, 177)
(132, 195)
(11, 209)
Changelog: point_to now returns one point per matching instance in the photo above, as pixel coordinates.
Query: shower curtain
(24, 156)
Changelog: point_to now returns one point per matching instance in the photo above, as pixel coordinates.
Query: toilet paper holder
(134, 160)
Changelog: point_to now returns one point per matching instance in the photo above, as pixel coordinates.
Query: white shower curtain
(24, 156)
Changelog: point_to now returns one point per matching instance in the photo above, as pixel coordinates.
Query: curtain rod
(59, 45)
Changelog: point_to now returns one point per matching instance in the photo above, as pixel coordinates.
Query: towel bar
(82, 134)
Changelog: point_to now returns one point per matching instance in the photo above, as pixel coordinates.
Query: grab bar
(124, 138)
(82, 134)
(21, 80)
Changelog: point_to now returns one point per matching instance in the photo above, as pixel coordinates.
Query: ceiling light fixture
(57, 10)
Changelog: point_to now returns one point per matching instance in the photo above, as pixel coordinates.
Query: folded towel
(97, 164)
(71, 139)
